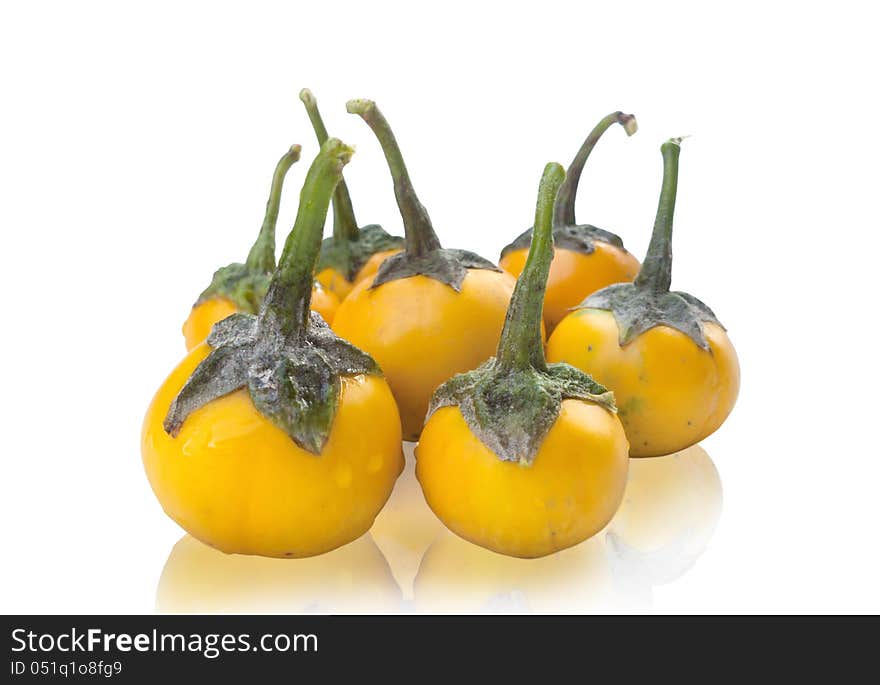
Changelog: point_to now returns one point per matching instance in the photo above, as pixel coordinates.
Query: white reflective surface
(410, 562)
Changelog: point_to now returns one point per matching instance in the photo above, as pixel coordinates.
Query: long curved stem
(564, 215)
(345, 227)
(521, 345)
(656, 272)
(262, 254)
(420, 236)
(290, 291)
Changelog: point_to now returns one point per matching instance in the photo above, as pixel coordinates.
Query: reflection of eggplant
(405, 527)
(669, 512)
(354, 578)
(456, 576)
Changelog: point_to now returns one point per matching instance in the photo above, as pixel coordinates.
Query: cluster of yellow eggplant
(280, 433)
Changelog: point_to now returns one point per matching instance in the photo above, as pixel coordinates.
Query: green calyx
(288, 359)
(423, 254)
(512, 401)
(567, 233)
(246, 284)
(349, 248)
(648, 302)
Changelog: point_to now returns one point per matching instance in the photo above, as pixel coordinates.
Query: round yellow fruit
(422, 332)
(567, 494)
(670, 392)
(576, 275)
(237, 482)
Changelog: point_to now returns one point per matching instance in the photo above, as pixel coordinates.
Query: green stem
(290, 291)
(656, 272)
(345, 227)
(420, 236)
(521, 345)
(261, 257)
(564, 215)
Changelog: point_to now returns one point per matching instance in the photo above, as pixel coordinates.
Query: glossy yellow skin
(202, 318)
(670, 393)
(235, 481)
(575, 275)
(371, 266)
(568, 494)
(205, 314)
(422, 332)
(324, 302)
(333, 281)
(352, 579)
(336, 283)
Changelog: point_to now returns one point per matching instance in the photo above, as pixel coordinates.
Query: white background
(136, 148)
